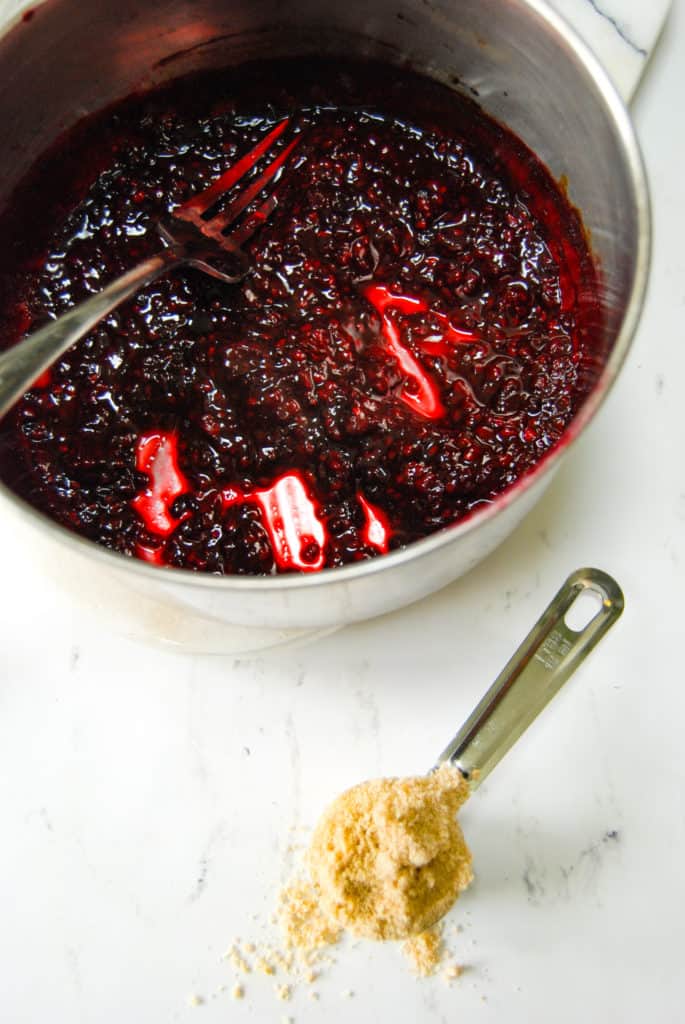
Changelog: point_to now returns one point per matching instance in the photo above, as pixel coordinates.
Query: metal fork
(190, 236)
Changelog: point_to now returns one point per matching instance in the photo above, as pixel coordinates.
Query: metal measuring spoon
(537, 670)
(378, 834)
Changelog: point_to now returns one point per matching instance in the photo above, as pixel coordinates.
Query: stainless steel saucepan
(529, 70)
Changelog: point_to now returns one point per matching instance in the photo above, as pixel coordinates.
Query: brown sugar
(424, 951)
(264, 965)
(237, 959)
(305, 927)
(388, 858)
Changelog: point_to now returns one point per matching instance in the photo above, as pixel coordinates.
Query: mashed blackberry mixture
(418, 330)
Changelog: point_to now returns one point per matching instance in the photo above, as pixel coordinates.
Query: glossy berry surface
(421, 324)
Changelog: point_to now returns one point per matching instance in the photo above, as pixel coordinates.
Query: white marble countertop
(147, 796)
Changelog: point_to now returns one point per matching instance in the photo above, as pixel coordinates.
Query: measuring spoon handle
(548, 656)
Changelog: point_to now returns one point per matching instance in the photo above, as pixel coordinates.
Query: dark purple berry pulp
(421, 323)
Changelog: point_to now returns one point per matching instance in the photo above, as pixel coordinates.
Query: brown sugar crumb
(235, 957)
(195, 1000)
(284, 961)
(424, 951)
(304, 925)
(452, 972)
(237, 992)
(388, 858)
(265, 966)
(284, 992)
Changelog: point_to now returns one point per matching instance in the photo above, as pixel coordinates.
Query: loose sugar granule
(265, 966)
(424, 951)
(238, 960)
(305, 927)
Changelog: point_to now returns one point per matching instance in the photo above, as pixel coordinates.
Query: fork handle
(25, 361)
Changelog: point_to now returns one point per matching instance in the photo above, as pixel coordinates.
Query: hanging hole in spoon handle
(548, 656)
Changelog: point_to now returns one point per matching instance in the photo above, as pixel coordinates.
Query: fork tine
(228, 216)
(199, 204)
(254, 221)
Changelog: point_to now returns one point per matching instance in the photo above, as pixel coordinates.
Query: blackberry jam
(421, 323)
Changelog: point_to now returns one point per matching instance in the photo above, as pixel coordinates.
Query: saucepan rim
(348, 574)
